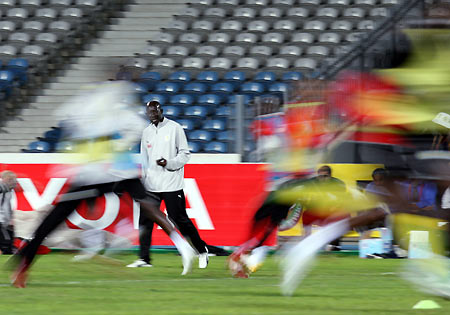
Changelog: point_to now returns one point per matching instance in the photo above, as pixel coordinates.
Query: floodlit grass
(337, 285)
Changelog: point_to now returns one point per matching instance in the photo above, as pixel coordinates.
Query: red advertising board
(221, 199)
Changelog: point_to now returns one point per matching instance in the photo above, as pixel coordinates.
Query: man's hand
(161, 162)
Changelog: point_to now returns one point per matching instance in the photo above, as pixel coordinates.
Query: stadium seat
(223, 89)
(302, 38)
(214, 13)
(7, 52)
(180, 77)
(202, 26)
(258, 26)
(34, 53)
(224, 111)
(177, 52)
(182, 99)
(169, 88)
(247, 64)
(225, 136)
(252, 88)
(218, 39)
(194, 147)
(297, 13)
(244, 14)
(273, 39)
(315, 26)
(256, 3)
(19, 68)
(208, 77)
(318, 51)
(173, 112)
(71, 14)
(341, 26)
(279, 89)
(17, 14)
(327, 14)
(365, 3)
(232, 99)
(163, 39)
(19, 39)
(305, 64)
(216, 147)
(265, 77)
(292, 76)
(188, 14)
(38, 147)
(366, 25)
(45, 15)
(329, 38)
(271, 14)
(277, 64)
(197, 112)
(260, 51)
(195, 88)
(379, 13)
(231, 27)
(233, 52)
(285, 27)
(209, 99)
(236, 78)
(60, 27)
(206, 52)
(354, 13)
(246, 39)
(46, 40)
(58, 4)
(187, 124)
(193, 64)
(220, 64)
(176, 27)
(150, 79)
(162, 99)
(290, 52)
(214, 125)
(64, 147)
(33, 27)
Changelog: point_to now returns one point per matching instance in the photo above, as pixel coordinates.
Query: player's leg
(137, 191)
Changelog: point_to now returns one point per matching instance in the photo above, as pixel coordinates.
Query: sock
(181, 245)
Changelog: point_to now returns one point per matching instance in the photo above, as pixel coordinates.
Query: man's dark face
(323, 175)
(154, 114)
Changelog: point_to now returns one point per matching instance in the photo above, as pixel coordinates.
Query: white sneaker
(187, 257)
(139, 263)
(203, 259)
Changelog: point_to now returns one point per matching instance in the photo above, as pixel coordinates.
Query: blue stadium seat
(214, 125)
(169, 88)
(64, 146)
(201, 136)
(173, 112)
(150, 79)
(216, 147)
(234, 77)
(265, 77)
(225, 111)
(223, 89)
(182, 99)
(180, 77)
(19, 67)
(195, 147)
(140, 88)
(232, 99)
(279, 88)
(197, 112)
(209, 99)
(208, 77)
(292, 76)
(225, 136)
(6, 82)
(252, 88)
(195, 88)
(187, 124)
(38, 147)
(154, 97)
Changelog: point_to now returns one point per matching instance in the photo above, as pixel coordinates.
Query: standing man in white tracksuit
(164, 152)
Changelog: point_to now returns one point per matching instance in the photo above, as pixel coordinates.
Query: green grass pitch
(337, 284)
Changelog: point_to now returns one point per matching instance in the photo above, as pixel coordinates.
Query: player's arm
(183, 154)
(144, 155)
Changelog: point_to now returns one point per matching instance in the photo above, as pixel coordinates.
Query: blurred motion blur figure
(8, 181)
(103, 126)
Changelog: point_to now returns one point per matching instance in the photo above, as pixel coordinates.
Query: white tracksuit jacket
(167, 141)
